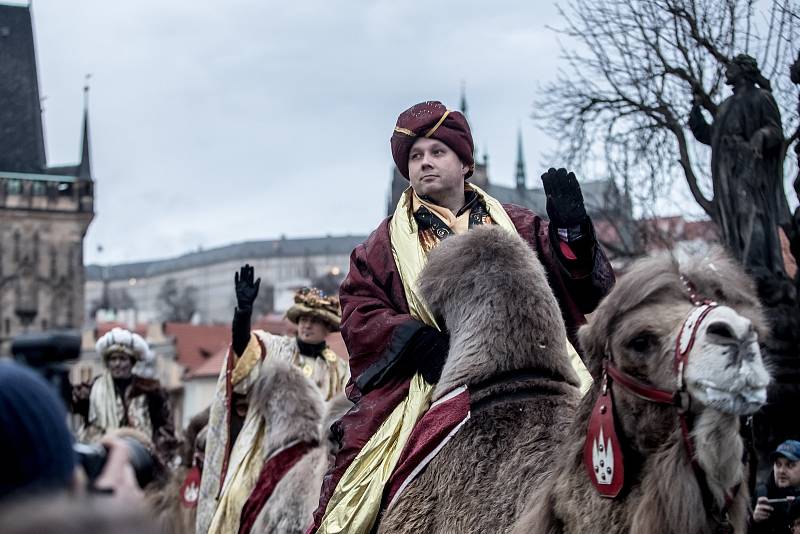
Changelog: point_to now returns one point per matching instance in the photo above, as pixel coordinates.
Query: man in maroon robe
(387, 346)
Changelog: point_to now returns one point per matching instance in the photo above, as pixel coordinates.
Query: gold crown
(312, 301)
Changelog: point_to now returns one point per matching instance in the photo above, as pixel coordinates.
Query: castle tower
(44, 211)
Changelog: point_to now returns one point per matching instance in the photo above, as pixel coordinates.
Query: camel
(172, 502)
(508, 348)
(674, 374)
(295, 414)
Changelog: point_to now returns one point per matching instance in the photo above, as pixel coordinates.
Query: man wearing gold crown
(396, 347)
(234, 455)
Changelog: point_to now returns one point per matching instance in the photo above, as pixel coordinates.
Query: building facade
(44, 211)
(136, 291)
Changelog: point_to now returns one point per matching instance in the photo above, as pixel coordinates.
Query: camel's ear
(592, 348)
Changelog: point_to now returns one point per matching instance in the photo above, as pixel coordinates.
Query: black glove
(414, 347)
(564, 198)
(429, 348)
(246, 293)
(246, 289)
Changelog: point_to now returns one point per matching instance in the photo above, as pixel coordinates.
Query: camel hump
(492, 294)
(291, 404)
(485, 261)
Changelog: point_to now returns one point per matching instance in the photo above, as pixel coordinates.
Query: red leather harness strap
(677, 398)
(682, 355)
(637, 387)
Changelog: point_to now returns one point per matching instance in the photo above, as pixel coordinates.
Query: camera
(784, 500)
(93, 458)
(48, 354)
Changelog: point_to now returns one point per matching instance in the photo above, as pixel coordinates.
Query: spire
(85, 166)
(463, 105)
(22, 146)
(520, 162)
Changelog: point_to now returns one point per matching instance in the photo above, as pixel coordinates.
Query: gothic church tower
(44, 211)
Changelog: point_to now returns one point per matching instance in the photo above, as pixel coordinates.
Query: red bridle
(683, 346)
(602, 450)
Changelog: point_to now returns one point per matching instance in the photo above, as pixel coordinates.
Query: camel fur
(165, 501)
(294, 411)
(638, 324)
(508, 346)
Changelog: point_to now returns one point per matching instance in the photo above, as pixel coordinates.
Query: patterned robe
(145, 407)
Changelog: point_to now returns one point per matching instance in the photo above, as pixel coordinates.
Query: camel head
(640, 322)
(488, 288)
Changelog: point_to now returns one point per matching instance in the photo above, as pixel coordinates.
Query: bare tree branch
(633, 68)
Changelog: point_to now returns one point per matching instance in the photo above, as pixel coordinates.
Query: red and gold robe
(377, 324)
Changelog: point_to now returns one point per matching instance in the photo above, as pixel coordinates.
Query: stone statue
(746, 166)
(794, 74)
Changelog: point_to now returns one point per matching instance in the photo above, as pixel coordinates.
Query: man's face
(434, 169)
(787, 472)
(120, 365)
(311, 330)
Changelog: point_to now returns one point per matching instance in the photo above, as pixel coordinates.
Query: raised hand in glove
(246, 289)
(564, 198)
(246, 293)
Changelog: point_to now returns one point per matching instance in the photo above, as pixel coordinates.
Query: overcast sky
(216, 122)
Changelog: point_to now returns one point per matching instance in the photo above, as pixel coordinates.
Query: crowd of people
(296, 439)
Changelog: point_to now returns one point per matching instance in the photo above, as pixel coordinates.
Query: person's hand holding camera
(762, 510)
(118, 477)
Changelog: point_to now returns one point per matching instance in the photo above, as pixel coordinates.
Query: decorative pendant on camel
(190, 489)
(602, 452)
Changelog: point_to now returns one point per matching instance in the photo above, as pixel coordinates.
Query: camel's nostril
(721, 329)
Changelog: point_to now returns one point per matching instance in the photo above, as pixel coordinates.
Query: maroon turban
(433, 120)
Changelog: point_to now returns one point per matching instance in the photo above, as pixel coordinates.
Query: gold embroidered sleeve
(247, 361)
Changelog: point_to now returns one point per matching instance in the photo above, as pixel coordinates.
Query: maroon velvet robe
(375, 311)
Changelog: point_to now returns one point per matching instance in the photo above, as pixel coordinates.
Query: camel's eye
(642, 342)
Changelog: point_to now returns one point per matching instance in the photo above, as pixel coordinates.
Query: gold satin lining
(247, 361)
(356, 501)
(335, 383)
(229, 509)
(228, 495)
(436, 126)
(584, 376)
